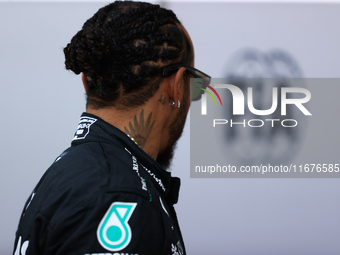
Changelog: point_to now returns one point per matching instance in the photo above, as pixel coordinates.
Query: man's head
(122, 51)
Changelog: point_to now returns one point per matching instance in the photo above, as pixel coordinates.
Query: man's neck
(144, 125)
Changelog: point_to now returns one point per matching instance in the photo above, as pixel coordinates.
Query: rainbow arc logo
(204, 97)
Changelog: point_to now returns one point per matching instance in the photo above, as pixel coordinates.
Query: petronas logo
(114, 232)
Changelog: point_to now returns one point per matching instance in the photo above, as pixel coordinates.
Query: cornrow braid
(122, 49)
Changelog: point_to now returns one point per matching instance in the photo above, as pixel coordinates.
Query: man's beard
(175, 131)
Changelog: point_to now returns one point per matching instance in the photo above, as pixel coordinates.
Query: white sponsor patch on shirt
(83, 127)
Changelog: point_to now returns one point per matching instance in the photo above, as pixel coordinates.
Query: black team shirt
(104, 195)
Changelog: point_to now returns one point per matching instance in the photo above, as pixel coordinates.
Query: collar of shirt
(93, 129)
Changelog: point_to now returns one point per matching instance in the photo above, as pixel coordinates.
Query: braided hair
(122, 50)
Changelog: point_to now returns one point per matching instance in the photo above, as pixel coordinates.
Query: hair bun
(123, 46)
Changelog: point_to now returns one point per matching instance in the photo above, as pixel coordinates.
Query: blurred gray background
(41, 103)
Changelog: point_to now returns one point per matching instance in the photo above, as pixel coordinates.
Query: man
(109, 193)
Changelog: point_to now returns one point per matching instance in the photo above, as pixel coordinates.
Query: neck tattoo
(139, 129)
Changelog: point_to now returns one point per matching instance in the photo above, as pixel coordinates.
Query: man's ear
(175, 85)
(83, 78)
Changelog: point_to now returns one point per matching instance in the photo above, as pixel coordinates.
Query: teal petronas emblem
(114, 232)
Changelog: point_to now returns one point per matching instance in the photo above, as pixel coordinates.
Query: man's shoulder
(81, 175)
(96, 165)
